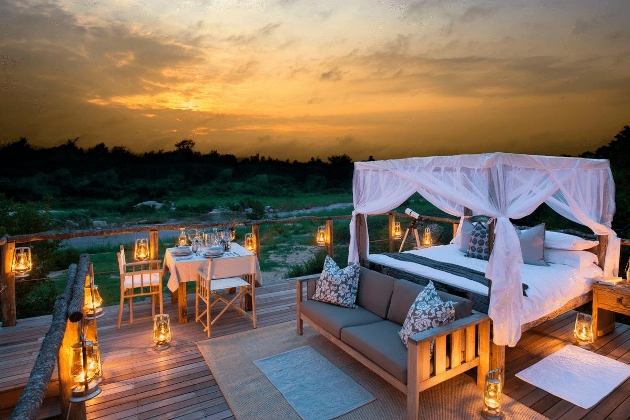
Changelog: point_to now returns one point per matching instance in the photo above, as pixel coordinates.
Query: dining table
(183, 267)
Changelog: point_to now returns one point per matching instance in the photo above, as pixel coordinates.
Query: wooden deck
(142, 383)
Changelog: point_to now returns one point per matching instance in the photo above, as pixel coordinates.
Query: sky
(293, 79)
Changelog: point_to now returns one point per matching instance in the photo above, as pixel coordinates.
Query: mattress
(550, 287)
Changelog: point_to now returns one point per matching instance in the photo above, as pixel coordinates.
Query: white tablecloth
(236, 262)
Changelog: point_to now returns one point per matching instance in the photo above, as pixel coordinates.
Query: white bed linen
(549, 287)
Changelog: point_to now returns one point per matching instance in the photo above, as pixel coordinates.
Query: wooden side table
(608, 300)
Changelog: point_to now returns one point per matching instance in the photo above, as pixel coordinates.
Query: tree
(186, 146)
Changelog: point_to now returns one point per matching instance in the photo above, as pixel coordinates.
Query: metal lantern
(162, 331)
(85, 371)
(22, 262)
(492, 393)
(321, 236)
(397, 233)
(427, 239)
(182, 240)
(249, 242)
(583, 329)
(141, 251)
(92, 302)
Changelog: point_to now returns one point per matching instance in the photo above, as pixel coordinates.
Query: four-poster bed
(500, 186)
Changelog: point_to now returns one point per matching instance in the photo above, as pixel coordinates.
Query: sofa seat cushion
(333, 318)
(380, 343)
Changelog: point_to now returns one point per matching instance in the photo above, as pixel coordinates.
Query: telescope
(412, 213)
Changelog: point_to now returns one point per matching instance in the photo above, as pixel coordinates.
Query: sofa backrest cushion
(375, 291)
(405, 293)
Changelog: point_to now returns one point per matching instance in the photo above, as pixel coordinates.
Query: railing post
(392, 223)
(256, 235)
(329, 237)
(153, 245)
(7, 285)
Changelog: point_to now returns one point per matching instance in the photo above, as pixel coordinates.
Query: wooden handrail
(33, 395)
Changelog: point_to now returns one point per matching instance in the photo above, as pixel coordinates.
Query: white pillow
(577, 259)
(559, 240)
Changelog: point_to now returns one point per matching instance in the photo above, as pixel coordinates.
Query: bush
(312, 266)
(35, 298)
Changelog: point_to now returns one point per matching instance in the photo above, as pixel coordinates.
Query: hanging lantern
(427, 239)
(321, 236)
(22, 262)
(397, 233)
(249, 242)
(162, 331)
(141, 252)
(492, 396)
(89, 330)
(182, 240)
(92, 302)
(583, 329)
(85, 371)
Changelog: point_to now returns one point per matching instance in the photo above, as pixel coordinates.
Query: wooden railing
(7, 244)
(56, 348)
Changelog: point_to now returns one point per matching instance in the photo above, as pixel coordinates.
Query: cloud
(333, 75)
(477, 12)
(252, 37)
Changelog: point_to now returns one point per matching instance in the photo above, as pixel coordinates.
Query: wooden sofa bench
(369, 333)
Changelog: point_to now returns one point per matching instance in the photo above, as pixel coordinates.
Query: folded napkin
(179, 251)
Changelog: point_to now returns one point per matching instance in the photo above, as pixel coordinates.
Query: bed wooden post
(497, 359)
(601, 249)
(361, 230)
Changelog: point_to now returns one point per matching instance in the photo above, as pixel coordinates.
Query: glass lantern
(92, 302)
(397, 233)
(492, 392)
(583, 329)
(427, 239)
(141, 251)
(182, 240)
(162, 331)
(249, 242)
(321, 236)
(85, 371)
(22, 262)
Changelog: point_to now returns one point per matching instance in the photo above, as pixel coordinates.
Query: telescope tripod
(412, 227)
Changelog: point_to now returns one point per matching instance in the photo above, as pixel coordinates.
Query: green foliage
(36, 298)
(312, 266)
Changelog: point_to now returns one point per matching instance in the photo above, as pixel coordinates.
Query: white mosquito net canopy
(502, 186)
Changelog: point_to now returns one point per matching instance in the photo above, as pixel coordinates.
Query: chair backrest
(121, 260)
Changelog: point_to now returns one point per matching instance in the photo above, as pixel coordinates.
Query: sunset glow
(293, 79)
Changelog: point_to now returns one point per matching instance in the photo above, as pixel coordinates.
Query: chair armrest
(460, 324)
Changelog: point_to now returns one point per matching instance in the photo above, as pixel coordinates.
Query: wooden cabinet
(608, 300)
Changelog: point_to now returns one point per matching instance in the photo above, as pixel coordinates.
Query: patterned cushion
(338, 286)
(426, 312)
(478, 245)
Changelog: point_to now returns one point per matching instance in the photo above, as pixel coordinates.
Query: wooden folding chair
(212, 291)
(138, 279)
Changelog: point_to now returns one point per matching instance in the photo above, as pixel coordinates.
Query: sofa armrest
(299, 282)
(469, 347)
(459, 325)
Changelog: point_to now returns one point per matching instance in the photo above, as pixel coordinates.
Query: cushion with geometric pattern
(478, 246)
